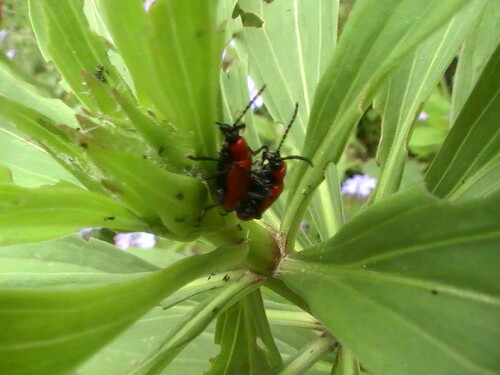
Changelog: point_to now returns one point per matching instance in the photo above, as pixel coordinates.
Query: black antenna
(249, 105)
(289, 125)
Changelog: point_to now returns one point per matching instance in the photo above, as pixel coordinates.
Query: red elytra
(267, 180)
(276, 189)
(237, 183)
(234, 164)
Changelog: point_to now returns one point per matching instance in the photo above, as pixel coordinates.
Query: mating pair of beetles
(244, 186)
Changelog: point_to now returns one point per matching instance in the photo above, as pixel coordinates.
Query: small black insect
(100, 73)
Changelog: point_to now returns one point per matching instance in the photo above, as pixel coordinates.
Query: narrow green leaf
(49, 331)
(289, 54)
(240, 353)
(130, 32)
(186, 50)
(399, 279)
(408, 87)
(57, 262)
(28, 215)
(153, 191)
(255, 305)
(471, 153)
(383, 35)
(476, 51)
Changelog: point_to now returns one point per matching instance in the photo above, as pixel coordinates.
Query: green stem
(298, 319)
(307, 356)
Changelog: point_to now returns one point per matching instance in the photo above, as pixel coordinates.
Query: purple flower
(423, 116)
(138, 239)
(86, 233)
(359, 185)
(11, 53)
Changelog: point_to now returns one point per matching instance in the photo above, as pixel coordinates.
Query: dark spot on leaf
(240, 227)
(151, 113)
(215, 310)
(226, 277)
(180, 219)
(84, 145)
(109, 218)
(180, 196)
(434, 291)
(161, 150)
(250, 19)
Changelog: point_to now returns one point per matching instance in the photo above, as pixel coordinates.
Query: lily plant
(408, 285)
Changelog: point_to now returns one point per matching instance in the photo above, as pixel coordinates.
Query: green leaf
(383, 35)
(50, 330)
(186, 50)
(64, 37)
(290, 70)
(410, 85)
(411, 278)
(123, 354)
(28, 215)
(476, 50)
(240, 353)
(54, 140)
(289, 54)
(152, 191)
(19, 91)
(31, 166)
(257, 311)
(130, 32)
(57, 262)
(162, 138)
(470, 155)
